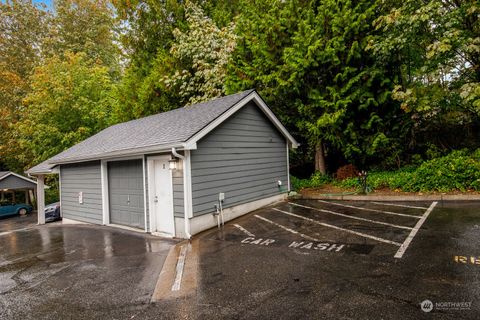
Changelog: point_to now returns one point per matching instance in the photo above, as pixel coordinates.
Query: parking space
(302, 259)
(332, 226)
(344, 259)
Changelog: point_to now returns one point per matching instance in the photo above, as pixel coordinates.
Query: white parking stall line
(399, 205)
(287, 229)
(248, 233)
(373, 210)
(414, 231)
(353, 217)
(339, 228)
(179, 268)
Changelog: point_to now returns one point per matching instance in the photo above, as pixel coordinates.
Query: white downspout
(185, 196)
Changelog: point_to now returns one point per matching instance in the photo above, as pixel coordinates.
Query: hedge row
(459, 170)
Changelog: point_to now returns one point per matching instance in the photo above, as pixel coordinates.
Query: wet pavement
(7, 224)
(297, 260)
(78, 272)
(326, 266)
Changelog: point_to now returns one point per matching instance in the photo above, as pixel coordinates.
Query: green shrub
(316, 180)
(458, 170)
(381, 179)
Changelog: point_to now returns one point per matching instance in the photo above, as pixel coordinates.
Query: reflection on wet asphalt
(8, 224)
(278, 266)
(77, 272)
(243, 278)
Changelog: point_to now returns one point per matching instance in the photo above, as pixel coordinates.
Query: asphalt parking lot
(292, 260)
(76, 271)
(7, 224)
(344, 260)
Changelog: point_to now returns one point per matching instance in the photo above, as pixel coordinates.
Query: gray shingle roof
(165, 128)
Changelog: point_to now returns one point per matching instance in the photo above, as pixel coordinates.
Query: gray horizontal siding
(177, 177)
(244, 158)
(86, 178)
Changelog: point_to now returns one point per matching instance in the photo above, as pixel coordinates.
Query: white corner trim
(105, 201)
(60, 191)
(288, 168)
(227, 114)
(144, 193)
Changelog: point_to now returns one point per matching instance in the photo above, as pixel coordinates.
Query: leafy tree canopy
(70, 101)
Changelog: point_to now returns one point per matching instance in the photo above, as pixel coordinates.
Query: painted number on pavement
(467, 260)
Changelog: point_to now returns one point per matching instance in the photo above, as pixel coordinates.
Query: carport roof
(174, 128)
(5, 174)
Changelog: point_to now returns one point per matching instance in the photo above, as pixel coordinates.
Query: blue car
(11, 209)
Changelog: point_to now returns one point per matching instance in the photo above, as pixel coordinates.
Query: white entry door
(161, 196)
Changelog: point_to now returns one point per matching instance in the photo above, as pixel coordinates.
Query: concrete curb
(427, 197)
(163, 288)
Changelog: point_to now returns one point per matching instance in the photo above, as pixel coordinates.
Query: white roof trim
(121, 153)
(18, 176)
(191, 143)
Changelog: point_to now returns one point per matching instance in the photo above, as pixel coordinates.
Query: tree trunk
(320, 158)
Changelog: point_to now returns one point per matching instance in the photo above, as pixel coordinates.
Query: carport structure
(13, 186)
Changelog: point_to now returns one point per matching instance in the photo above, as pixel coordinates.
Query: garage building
(172, 173)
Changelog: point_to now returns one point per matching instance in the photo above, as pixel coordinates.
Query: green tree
(146, 39)
(160, 46)
(70, 101)
(32, 37)
(204, 50)
(23, 28)
(308, 58)
(87, 26)
(433, 48)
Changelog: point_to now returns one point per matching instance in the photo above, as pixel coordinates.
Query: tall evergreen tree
(310, 57)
